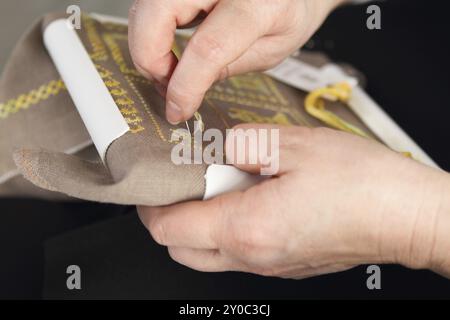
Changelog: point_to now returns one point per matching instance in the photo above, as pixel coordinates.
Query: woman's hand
(338, 201)
(235, 37)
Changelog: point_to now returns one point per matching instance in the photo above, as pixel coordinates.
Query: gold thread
(122, 99)
(115, 27)
(315, 106)
(116, 52)
(33, 97)
(99, 52)
(253, 117)
(140, 79)
(176, 50)
(130, 76)
(212, 95)
(265, 95)
(147, 109)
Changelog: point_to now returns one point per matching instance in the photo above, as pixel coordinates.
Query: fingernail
(174, 113)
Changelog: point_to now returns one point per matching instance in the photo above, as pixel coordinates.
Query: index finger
(226, 33)
(152, 26)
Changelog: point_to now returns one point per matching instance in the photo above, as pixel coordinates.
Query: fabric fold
(35, 111)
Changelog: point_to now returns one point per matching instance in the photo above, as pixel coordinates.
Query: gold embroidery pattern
(24, 101)
(131, 75)
(115, 27)
(122, 99)
(249, 116)
(257, 91)
(116, 52)
(253, 90)
(99, 52)
(147, 109)
(118, 93)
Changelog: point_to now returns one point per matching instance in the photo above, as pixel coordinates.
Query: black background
(406, 64)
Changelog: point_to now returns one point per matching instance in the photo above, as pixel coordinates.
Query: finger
(222, 38)
(152, 25)
(194, 23)
(195, 224)
(266, 149)
(202, 260)
(266, 53)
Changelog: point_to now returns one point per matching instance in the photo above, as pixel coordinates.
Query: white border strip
(95, 104)
(382, 125)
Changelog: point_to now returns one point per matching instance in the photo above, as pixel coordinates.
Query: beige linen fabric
(35, 111)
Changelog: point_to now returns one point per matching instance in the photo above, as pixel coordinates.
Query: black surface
(407, 67)
(119, 260)
(24, 226)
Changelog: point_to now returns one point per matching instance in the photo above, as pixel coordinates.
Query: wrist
(440, 250)
(408, 218)
(421, 220)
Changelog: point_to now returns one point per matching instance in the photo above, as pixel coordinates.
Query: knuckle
(297, 137)
(261, 13)
(266, 59)
(223, 233)
(224, 73)
(271, 61)
(177, 90)
(207, 47)
(245, 7)
(183, 95)
(322, 135)
(133, 9)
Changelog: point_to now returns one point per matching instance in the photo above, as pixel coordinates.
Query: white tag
(305, 77)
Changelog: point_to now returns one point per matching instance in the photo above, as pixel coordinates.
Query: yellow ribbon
(315, 106)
